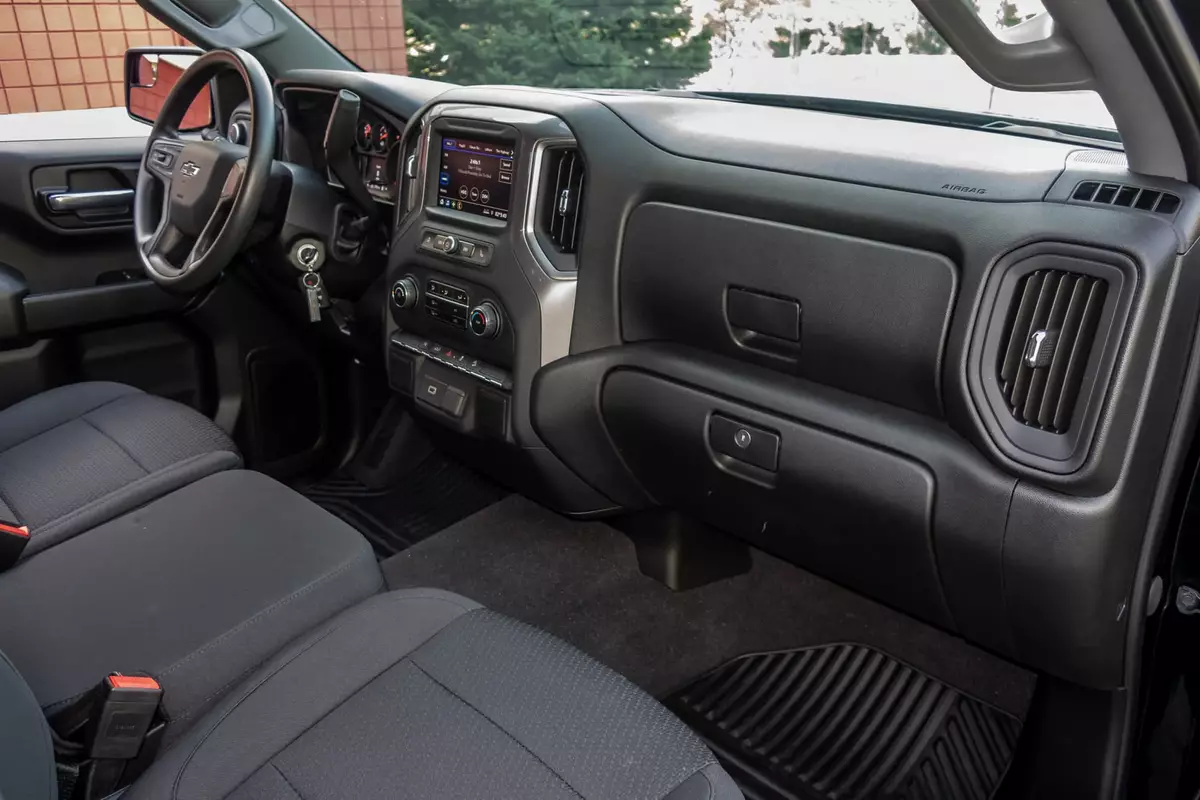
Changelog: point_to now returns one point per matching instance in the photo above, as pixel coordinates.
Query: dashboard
(807, 329)
(307, 111)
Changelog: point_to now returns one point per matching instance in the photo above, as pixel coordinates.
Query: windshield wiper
(1055, 131)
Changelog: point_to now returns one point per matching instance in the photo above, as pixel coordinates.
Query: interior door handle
(74, 202)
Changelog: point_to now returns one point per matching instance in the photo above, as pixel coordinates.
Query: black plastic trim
(56, 311)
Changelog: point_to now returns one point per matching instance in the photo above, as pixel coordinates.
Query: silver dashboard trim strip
(557, 294)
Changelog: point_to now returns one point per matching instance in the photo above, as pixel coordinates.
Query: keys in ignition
(314, 294)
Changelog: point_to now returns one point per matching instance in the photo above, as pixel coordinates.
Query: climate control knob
(405, 293)
(484, 321)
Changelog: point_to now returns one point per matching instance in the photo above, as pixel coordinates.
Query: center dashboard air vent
(1051, 333)
(562, 207)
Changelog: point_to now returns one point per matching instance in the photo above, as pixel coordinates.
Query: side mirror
(150, 75)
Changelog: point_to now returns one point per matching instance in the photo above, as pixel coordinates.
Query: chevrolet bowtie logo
(190, 169)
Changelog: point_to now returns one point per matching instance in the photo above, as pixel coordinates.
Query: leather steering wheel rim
(189, 172)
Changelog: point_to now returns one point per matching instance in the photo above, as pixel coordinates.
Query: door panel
(74, 301)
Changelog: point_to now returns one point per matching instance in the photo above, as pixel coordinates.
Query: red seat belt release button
(13, 538)
(124, 711)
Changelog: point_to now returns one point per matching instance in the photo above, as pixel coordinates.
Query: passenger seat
(411, 694)
(196, 588)
(79, 455)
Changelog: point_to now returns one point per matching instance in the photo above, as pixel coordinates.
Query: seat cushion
(79, 455)
(196, 588)
(424, 694)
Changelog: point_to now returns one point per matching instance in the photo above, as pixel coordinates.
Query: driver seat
(79, 455)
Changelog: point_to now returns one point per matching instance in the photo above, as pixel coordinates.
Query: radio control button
(405, 293)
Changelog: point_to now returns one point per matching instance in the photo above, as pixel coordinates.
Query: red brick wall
(65, 54)
(147, 102)
(369, 32)
(69, 54)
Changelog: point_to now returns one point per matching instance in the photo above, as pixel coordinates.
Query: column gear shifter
(349, 229)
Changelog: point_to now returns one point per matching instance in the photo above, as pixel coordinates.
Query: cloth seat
(424, 694)
(197, 588)
(411, 694)
(79, 455)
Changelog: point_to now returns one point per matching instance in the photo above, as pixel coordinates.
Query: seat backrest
(26, 754)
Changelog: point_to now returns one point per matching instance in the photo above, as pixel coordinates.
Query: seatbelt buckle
(13, 539)
(124, 710)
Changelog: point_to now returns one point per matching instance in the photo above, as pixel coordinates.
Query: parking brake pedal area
(847, 721)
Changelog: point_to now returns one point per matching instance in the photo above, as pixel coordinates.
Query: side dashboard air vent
(1116, 194)
(563, 204)
(1048, 341)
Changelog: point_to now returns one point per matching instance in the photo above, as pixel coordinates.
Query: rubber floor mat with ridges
(433, 497)
(847, 721)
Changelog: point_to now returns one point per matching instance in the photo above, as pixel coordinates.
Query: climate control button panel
(446, 303)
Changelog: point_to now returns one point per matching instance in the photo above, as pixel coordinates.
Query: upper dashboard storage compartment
(859, 315)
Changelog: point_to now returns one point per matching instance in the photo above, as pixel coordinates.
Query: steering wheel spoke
(166, 245)
(211, 230)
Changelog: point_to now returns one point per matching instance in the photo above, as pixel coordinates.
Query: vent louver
(1049, 339)
(564, 202)
(1116, 194)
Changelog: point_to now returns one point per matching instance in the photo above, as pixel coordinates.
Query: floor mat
(580, 580)
(435, 495)
(847, 721)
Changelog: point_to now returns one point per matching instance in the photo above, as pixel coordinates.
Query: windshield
(873, 50)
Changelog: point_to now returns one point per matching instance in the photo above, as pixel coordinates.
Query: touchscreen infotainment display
(476, 177)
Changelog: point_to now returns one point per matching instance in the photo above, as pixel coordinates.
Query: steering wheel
(211, 191)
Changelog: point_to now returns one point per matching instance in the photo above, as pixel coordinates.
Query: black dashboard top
(401, 96)
(894, 154)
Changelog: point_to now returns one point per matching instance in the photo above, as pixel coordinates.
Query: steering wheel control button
(743, 442)
(405, 292)
(484, 321)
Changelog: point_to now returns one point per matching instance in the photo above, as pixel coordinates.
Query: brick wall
(66, 54)
(369, 32)
(69, 54)
(146, 102)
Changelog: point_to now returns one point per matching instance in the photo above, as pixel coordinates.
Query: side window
(57, 56)
(371, 33)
